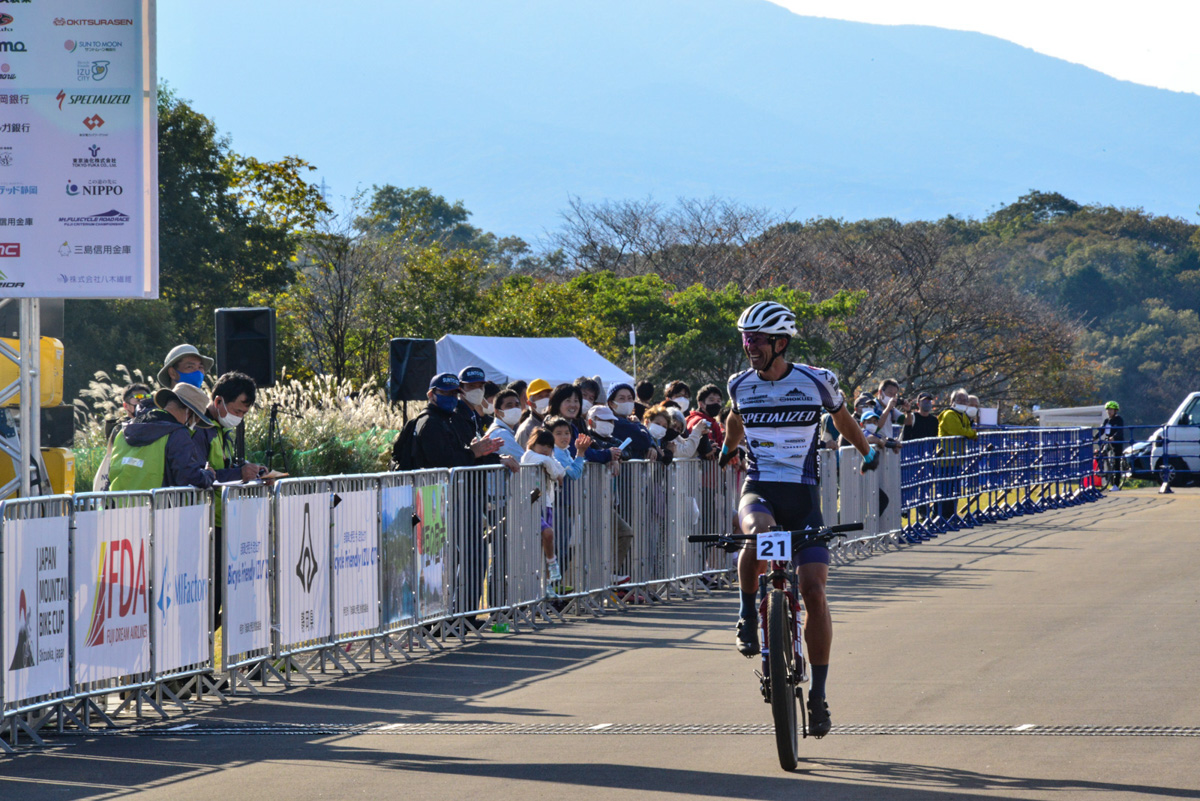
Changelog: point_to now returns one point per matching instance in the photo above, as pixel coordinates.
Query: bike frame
(782, 576)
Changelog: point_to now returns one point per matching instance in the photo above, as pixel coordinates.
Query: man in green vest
(156, 449)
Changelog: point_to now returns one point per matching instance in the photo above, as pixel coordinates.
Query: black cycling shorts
(794, 506)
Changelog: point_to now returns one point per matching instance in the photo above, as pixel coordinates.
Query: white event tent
(559, 360)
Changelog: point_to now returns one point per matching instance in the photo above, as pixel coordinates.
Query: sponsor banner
(302, 548)
(112, 593)
(245, 560)
(182, 595)
(398, 552)
(432, 551)
(78, 160)
(36, 602)
(355, 562)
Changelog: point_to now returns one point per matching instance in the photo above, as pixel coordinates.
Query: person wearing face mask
(589, 389)
(887, 399)
(954, 427)
(567, 403)
(924, 423)
(680, 394)
(708, 407)
(470, 405)
(185, 365)
(156, 449)
(658, 425)
(620, 400)
(504, 426)
(973, 409)
(435, 439)
(537, 396)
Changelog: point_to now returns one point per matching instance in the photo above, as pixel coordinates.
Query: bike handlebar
(824, 533)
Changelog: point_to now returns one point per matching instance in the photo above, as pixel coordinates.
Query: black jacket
(443, 439)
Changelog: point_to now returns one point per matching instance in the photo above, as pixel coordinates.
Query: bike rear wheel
(781, 656)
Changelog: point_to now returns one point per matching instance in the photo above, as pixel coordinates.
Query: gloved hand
(871, 460)
(726, 456)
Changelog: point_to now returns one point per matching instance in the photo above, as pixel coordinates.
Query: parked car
(1178, 441)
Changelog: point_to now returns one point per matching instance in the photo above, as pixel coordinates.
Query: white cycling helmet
(768, 317)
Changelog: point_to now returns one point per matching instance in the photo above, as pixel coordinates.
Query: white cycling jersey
(782, 419)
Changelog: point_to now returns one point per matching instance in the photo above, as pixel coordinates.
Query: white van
(1179, 439)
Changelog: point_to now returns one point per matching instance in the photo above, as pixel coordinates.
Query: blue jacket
(639, 438)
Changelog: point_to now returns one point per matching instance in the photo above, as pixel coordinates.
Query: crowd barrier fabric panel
(35, 599)
(430, 494)
(595, 557)
(398, 548)
(111, 587)
(524, 557)
(246, 610)
(302, 590)
(181, 615)
(355, 555)
(476, 517)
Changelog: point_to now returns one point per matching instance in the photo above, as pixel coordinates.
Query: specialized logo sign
(91, 99)
(109, 218)
(98, 187)
(42, 613)
(12, 47)
(120, 593)
(96, 70)
(779, 418)
(10, 250)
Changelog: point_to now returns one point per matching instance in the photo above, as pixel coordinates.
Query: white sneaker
(555, 572)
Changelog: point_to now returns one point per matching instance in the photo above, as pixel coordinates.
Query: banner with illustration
(302, 549)
(112, 593)
(36, 600)
(398, 554)
(433, 553)
(182, 601)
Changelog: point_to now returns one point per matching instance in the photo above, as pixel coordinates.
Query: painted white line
(390, 726)
(599, 726)
(1025, 727)
(181, 728)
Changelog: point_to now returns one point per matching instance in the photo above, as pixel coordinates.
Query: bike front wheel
(781, 655)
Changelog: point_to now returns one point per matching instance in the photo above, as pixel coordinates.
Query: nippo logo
(93, 122)
(10, 250)
(120, 585)
(72, 189)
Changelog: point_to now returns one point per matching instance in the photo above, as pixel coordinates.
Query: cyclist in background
(1112, 443)
(776, 413)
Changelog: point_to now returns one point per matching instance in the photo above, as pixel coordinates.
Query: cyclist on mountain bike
(776, 411)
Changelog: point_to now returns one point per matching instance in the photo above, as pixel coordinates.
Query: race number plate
(775, 545)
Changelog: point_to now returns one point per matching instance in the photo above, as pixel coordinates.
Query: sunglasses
(754, 340)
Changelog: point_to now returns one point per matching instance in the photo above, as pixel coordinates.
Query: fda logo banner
(302, 545)
(112, 593)
(36, 602)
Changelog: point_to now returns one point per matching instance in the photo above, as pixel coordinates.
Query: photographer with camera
(893, 410)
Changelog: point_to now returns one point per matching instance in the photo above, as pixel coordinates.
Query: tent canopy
(559, 360)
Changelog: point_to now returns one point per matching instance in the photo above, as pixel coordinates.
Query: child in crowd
(540, 451)
(560, 427)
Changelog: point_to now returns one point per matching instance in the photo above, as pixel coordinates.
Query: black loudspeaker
(50, 311)
(58, 427)
(412, 364)
(246, 343)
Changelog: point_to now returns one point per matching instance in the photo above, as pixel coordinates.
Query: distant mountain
(514, 106)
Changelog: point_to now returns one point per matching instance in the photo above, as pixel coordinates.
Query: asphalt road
(1059, 625)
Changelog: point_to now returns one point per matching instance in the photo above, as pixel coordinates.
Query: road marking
(599, 726)
(391, 726)
(1025, 727)
(181, 728)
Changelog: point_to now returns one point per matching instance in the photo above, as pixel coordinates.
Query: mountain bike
(783, 667)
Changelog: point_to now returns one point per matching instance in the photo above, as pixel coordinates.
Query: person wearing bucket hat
(156, 449)
(184, 364)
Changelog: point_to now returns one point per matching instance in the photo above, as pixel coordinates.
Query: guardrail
(116, 595)
(1169, 454)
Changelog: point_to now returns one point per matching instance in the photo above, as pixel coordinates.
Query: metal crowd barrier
(112, 595)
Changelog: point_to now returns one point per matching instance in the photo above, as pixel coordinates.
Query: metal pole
(25, 432)
(35, 395)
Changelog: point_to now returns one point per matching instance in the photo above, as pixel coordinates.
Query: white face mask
(541, 405)
(972, 412)
(488, 407)
(682, 402)
(510, 417)
(230, 420)
(960, 407)
(583, 408)
(656, 430)
(474, 396)
(603, 427)
(623, 409)
(870, 428)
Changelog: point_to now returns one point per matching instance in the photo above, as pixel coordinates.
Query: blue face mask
(195, 378)
(445, 402)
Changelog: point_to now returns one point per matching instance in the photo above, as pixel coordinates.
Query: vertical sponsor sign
(355, 562)
(78, 150)
(112, 593)
(182, 599)
(36, 591)
(398, 554)
(431, 550)
(302, 549)
(247, 602)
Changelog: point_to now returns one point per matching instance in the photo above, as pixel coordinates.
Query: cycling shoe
(747, 637)
(819, 723)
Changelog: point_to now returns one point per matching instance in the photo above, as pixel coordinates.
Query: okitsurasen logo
(122, 575)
